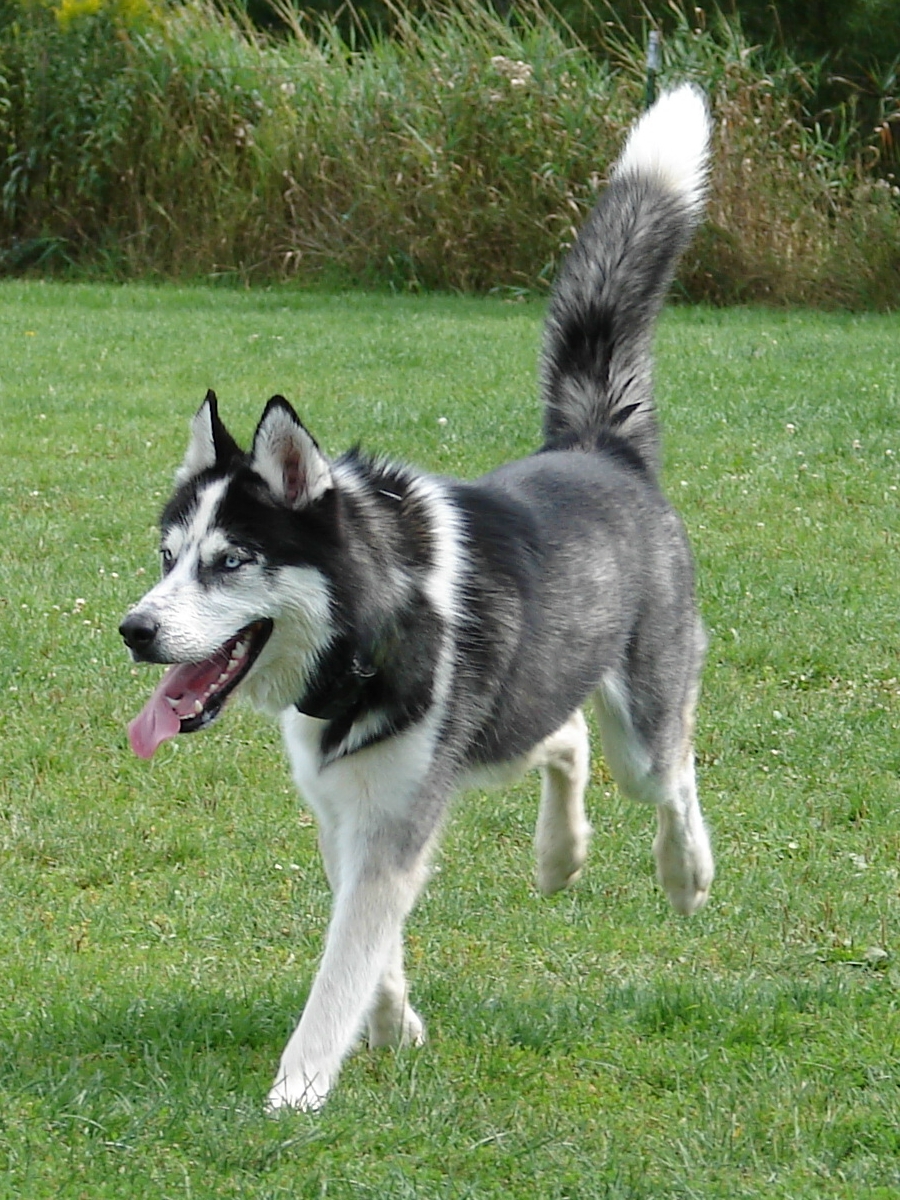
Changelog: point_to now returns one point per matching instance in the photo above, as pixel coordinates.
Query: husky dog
(416, 634)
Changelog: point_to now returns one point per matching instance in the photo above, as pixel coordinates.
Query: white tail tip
(671, 141)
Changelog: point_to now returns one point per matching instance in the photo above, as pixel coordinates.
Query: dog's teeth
(240, 651)
(223, 677)
(172, 702)
(198, 708)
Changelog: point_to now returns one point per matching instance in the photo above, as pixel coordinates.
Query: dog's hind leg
(562, 833)
(656, 764)
(684, 861)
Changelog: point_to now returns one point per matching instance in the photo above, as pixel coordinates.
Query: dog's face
(244, 600)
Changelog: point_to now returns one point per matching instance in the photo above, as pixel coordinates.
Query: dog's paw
(299, 1091)
(385, 1030)
(685, 869)
(553, 877)
(561, 858)
(687, 897)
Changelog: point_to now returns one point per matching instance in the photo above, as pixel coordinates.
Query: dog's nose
(139, 632)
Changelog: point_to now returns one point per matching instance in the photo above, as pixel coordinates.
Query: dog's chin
(282, 673)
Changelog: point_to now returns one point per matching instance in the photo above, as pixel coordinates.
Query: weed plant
(458, 153)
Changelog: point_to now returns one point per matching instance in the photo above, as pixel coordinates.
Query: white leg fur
(361, 952)
(684, 861)
(392, 1021)
(562, 833)
(361, 803)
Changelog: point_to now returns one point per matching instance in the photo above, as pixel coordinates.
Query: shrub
(460, 152)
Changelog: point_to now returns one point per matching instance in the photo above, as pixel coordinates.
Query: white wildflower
(517, 72)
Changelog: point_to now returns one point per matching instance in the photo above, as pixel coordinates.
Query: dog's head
(244, 598)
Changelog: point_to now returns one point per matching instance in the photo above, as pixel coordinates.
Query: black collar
(339, 684)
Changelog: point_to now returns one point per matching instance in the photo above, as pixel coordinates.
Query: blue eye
(231, 562)
(168, 558)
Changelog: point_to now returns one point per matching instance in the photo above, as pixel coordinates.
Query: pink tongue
(158, 720)
(155, 723)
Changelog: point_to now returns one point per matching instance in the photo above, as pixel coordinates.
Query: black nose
(139, 632)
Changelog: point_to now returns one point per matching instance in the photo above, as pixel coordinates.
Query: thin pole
(653, 65)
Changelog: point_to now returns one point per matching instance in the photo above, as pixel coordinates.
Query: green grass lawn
(160, 923)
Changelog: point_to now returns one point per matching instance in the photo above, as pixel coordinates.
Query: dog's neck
(339, 683)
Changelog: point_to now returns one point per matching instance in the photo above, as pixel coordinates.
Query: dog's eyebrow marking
(214, 545)
(174, 540)
(200, 521)
(189, 533)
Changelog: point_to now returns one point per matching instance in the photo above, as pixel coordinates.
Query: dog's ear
(287, 457)
(211, 444)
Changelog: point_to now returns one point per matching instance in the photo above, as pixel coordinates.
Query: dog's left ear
(288, 458)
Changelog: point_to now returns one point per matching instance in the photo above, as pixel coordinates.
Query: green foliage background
(458, 151)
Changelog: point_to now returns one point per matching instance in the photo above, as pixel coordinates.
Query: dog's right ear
(211, 444)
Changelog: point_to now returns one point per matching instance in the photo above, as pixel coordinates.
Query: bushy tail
(597, 370)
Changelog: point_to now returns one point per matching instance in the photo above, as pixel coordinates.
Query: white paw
(300, 1091)
(560, 865)
(685, 870)
(386, 1031)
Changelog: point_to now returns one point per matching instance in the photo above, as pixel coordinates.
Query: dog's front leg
(393, 1022)
(366, 929)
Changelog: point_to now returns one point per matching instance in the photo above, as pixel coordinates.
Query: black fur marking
(609, 443)
(226, 448)
(621, 415)
(339, 684)
(390, 677)
(596, 362)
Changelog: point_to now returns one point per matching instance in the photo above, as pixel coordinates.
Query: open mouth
(191, 695)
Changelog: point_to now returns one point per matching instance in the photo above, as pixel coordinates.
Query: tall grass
(795, 215)
(460, 152)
